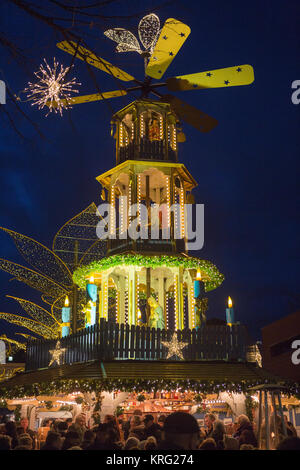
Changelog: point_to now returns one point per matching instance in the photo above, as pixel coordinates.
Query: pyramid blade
(190, 114)
(173, 34)
(88, 56)
(95, 97)
(230, 76)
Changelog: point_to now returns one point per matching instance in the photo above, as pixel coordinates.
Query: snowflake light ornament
(51, 88)
(148, 30)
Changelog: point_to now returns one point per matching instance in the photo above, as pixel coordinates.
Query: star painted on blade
(165, 37)
(174, 347)
(226, 82)
(182, 35)
(239, 69)
(171, 53)
(56, 354)
(209, 74)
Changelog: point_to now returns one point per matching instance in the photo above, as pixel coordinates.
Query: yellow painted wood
(172, 37)
(88, 56)
(89, 98)
(229, 76)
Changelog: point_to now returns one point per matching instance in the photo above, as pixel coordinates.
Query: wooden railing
(111, 341)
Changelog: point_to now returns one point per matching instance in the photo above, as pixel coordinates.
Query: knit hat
(181, 423)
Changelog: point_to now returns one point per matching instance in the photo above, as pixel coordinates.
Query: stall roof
(217, 371)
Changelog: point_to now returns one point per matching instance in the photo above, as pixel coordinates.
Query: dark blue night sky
(247, 168)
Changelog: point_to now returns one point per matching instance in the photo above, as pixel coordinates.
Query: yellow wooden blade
(88, 56)
(89, 98)
(193, 116)
(172, 37)
(230, 76)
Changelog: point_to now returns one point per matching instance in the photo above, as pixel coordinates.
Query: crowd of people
(177, 431)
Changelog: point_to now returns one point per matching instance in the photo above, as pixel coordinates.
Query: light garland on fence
(168, 200)
(142, 126)
(176, 301)
(121, 135)
(112, 211)
(182, 224)
(126, 300)
(139, 195)
(192, 293)
(161, 127)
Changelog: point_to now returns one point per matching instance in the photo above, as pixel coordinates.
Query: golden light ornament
(174, 347)
(51, 88)
(56, 354)
(148, 31)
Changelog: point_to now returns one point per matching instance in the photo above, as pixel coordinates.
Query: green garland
(215, 277)
(66, 386)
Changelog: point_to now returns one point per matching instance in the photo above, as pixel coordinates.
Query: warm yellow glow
(198, 277)
(92, 279)
(67, 302)
(229, 302)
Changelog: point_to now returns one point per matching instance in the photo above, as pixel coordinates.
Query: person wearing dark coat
(244, 432)
(180, 432)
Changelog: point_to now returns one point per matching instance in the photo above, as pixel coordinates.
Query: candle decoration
(92, 294)
(230, 313)
(66, 318)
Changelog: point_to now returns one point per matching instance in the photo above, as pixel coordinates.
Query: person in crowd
(53, 441)
(230, 443)
(247, 447)
(137, 428)
(208, 444)
(25, 440)
(126, 425)
(21, 447)
(62, 428)
(244, 432)
(151, 428)
(69, 421)
(180, 431)
(291, 430)
(289, 443)
(72, 438)
(88, 439)
(218, 434)
(209, 420)
(5, 442)
(79, 426)
(24, 423)
(161, 420)
(102, 437)
(11, 431)
(131, 443)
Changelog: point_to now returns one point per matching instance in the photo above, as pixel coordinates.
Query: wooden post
(281, 414)
(267, 424)
(259, 420)
(276, 440)
(148, 292)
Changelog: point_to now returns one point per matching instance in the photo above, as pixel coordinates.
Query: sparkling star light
(51, 88)
(174, 347)
(56, 354)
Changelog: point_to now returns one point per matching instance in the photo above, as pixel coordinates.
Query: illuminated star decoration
(148, 30)
(174, 347)
(56, 354)
(51, 88)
